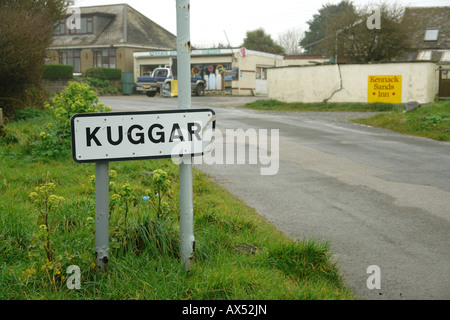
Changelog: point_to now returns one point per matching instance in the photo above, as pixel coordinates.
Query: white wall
(349, 83)
(261, 87)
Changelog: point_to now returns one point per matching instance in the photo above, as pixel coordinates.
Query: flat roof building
(237, 70)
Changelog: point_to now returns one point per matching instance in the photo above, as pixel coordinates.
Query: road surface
(381, 198)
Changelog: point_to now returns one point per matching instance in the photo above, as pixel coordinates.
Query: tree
(360, 43)
(344, 32)
(314, 40)
(211, 45)
(261, 41)
(49, 10)
(290, 41)
(26, 32)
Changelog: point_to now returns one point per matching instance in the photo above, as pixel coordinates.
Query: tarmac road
(381, 198)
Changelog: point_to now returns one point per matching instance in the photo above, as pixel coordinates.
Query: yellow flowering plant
(160, 189)
(46, 202)
(77, 97)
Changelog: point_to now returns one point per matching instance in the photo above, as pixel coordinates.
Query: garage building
(236, 70)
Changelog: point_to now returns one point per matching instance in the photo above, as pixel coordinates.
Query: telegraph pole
(184, 102)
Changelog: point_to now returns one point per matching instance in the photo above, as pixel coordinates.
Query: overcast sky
(212, 21)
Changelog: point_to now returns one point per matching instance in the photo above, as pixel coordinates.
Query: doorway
(444, 84)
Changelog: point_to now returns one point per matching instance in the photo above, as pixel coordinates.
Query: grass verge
(429, 121)
(275, 105)
(44, 230)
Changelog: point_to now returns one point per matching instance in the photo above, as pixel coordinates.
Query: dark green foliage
(28, 113)
(261, 41)
(103, 73)
(314, 40)
(58, 71)
(102, 86)
(100, 78)
(341, 30)
(26, 32)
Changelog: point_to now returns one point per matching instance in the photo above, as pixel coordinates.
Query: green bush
(102, 86)
(103, 73)
(112, 74)
(54, 141)
(58, 71)
(28, 113)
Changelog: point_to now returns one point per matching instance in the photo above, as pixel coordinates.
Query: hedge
(57, 71)
(103, 73)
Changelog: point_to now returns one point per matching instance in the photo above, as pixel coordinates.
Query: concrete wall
(349, 83)
(261, 87)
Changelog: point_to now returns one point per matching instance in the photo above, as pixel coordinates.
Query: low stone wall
(55, 86)
(217, 92)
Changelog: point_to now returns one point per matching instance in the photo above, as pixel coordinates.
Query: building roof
(306, 57)
(430, 18)
(118, 25)
(206, 52)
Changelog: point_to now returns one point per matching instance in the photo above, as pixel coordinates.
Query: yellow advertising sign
(385, 89)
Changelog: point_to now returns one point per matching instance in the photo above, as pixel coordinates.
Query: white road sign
(118, 136)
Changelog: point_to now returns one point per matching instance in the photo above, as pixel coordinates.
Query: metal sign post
(184, 102)
(102, 214)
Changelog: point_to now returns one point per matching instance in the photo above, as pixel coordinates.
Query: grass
(238, 254)
(429, 121)
(275, 105)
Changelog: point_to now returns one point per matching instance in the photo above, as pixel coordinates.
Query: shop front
(234, 71)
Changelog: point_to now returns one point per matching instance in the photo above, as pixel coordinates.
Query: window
(71, 57)
(60, 28)
(445, 56)
(424, 55)
(105, 58)
(445, 75)
(261, 73)
(161, 73)
(431, 35)
(86, 27)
